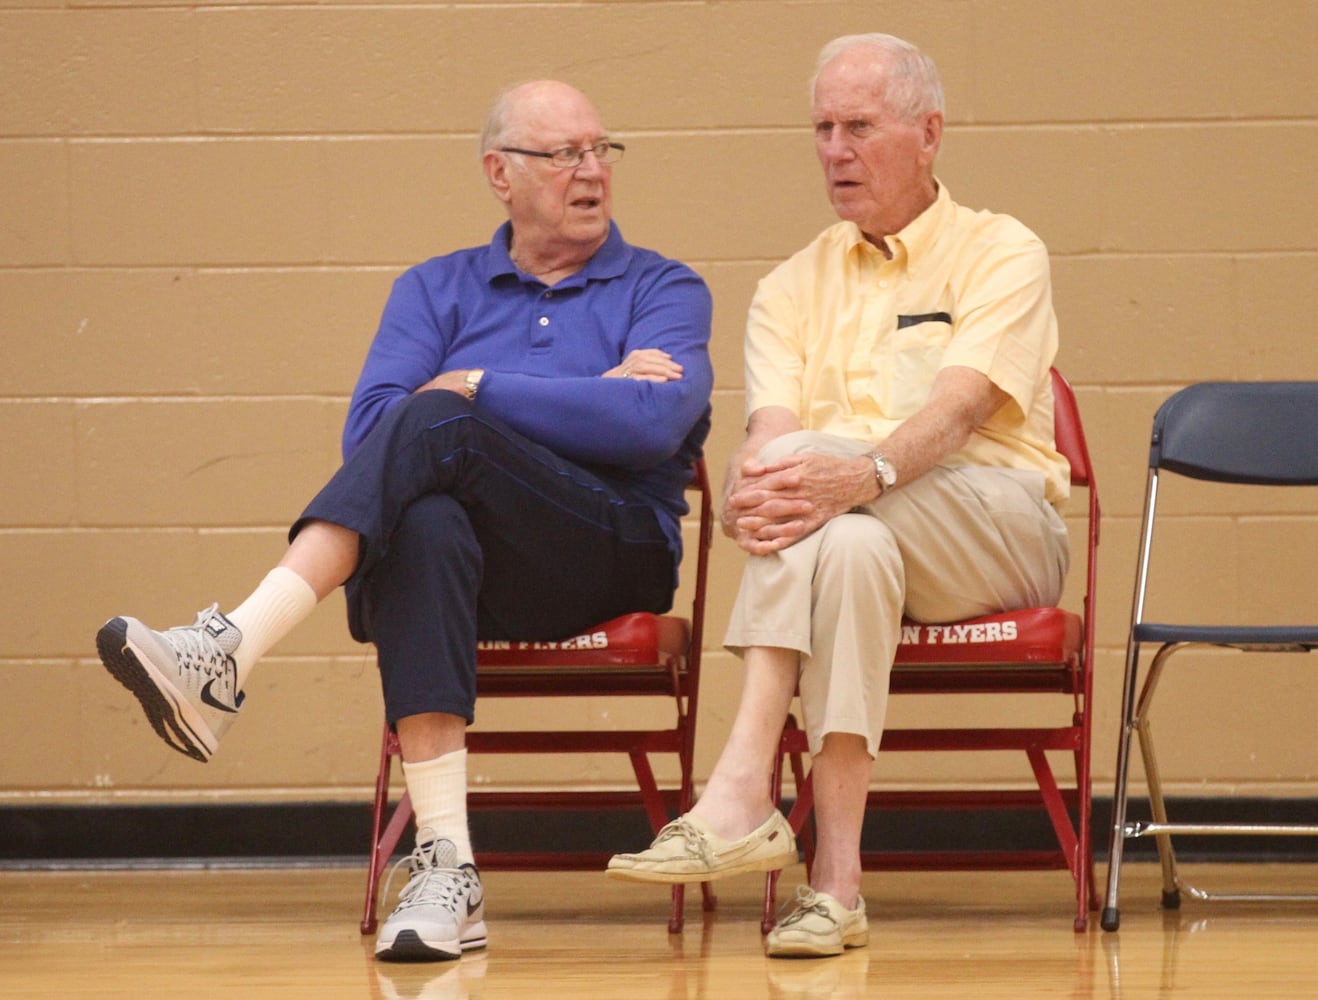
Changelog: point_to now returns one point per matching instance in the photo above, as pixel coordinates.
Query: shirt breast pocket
(909, 358)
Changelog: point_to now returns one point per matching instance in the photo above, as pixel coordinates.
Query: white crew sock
(438, 789)
(278, 603)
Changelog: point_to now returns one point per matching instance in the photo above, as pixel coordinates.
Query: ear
(932, 137)
(496, 167)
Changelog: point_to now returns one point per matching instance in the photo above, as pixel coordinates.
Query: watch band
(472, 383)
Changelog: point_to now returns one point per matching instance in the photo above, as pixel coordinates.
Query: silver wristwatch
(884, 472)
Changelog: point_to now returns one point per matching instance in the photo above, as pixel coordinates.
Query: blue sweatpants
(471, 531)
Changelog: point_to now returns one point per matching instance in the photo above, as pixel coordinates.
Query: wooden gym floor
(292, 933)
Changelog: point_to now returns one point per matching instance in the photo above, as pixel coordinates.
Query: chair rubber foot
(1171, 899)
(1111, 918)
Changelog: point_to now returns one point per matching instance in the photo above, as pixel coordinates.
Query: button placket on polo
(542, 321)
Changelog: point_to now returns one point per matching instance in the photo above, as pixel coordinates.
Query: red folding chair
(1033, 651)
(635, 655)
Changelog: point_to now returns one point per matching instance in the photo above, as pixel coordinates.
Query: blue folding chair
(1242, 433)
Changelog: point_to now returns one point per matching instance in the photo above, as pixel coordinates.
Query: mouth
(586, 203)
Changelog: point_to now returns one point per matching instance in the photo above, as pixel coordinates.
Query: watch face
(884, 471)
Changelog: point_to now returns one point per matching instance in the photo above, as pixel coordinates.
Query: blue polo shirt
(543, 350)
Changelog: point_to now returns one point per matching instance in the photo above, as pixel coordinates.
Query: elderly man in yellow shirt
(899, 459)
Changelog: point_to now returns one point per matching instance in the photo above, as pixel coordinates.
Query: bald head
(532, 107)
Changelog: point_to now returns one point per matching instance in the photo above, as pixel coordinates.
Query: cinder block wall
(203, 207)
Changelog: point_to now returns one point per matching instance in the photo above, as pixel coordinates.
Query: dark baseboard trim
(297, 834)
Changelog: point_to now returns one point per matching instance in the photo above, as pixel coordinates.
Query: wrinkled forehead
(853, 85)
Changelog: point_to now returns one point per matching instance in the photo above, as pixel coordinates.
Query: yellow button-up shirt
(850, 341)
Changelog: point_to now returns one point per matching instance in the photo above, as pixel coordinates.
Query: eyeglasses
(570, 156)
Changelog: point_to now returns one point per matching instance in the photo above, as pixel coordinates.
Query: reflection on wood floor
(293, 933)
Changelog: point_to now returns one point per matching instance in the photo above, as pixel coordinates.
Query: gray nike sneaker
(184, 677)
(441, 910)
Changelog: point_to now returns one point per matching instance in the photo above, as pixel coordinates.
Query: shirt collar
(917, 237)
(922, 232)
(610, 260)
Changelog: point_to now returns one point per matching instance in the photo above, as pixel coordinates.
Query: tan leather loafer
(817, 926)
(687, 850)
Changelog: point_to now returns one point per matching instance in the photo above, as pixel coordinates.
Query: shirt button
(544, 320)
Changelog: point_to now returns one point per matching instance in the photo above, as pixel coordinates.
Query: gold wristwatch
(472, 382)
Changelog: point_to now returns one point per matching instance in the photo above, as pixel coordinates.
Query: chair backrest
(1257, 433)
(1069, 434)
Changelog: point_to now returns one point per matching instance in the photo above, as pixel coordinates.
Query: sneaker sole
(806, 949)
(688, 878)
(407, 946)
(814, 949)
(166, 709)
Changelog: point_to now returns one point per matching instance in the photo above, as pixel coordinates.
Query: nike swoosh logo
(476, 897)
(209, 699)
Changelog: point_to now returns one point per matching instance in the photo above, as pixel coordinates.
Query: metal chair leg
(1111, 916)
(1171, 896)
(377, 861)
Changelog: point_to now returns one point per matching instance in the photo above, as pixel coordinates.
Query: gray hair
(914, 88)
(498, 120)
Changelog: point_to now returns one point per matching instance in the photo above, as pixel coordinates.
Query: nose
(835, 146)
(590, 165)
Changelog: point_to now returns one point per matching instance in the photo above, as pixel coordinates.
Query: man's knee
(431, 408)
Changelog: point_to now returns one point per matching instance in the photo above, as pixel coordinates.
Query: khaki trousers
(956, 543)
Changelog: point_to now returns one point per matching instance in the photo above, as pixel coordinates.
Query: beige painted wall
(202, 207)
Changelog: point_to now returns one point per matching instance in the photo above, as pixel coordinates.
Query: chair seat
(1042, 636)
(1267, 637)
(639, 653)
(630, 640)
